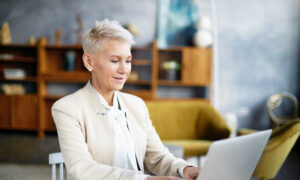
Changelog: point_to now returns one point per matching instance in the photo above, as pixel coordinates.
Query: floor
(24, 156)
(11, 171)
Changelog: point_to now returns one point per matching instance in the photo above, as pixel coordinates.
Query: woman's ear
(87, 61)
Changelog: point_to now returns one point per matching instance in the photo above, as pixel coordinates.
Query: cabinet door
(196, 66)
(24, 112)
(5, 109)
(49, 122)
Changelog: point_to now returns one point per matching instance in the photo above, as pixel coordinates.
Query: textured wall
(258, 41)
(42, 17)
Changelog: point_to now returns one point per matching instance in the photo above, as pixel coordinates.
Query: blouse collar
(104, 102)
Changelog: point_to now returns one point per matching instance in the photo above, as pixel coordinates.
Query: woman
(107, 134)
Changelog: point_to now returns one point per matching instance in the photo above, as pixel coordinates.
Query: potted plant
(171, 68)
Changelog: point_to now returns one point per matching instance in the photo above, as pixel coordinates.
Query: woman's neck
(107, 95)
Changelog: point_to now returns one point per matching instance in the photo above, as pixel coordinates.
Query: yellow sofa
(192, 125)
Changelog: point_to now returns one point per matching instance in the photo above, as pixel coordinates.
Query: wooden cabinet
(24, 112)
(50, 76)
(19, 111)
(142, 81)
(5, 111)
(196, 66)
(56, 74)
(193, 77)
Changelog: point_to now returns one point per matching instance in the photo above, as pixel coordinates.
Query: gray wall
(258, 41)
(43, 17)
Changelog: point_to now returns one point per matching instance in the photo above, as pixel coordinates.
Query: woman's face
(111, 66)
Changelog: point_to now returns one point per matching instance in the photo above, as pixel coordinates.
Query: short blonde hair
(103, 30)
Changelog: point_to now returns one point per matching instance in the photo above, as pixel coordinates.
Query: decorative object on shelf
(57, 37)
(13, 89)
(13, 73)
(80, 27)
(32, 40)
(43, 41)
(203, 37)
(70, 60)
(171, 68)
(175, 22)
(134, 76)
(5, 34)
(6, 56)
(132, 28)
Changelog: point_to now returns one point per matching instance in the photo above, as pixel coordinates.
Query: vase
(70, 61)
(171, 74)
(203, 38)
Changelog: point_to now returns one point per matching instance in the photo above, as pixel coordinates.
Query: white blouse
(124, 155)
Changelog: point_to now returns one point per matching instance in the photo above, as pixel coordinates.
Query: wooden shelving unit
(19, 111)
(62, 76)
(45, 68)
(26, 79)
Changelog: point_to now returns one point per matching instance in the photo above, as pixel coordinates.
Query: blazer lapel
(104, 126)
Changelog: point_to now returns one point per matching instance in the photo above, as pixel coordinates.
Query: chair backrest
(57, 159)
(187, 120)
(280, 144)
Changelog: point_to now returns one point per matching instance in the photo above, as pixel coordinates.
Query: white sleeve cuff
(180, 171)
(143, 177)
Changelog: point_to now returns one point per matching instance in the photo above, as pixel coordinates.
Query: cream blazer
(86, 138)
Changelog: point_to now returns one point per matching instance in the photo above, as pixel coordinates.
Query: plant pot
(172, 74)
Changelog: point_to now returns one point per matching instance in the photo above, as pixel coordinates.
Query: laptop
(234, 158)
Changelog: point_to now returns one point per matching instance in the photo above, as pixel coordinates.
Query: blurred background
(255, 46)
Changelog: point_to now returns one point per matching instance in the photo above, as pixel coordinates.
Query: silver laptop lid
(235, 158)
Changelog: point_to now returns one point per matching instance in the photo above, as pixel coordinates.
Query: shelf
(145, 94)
(183, 99)
(18, 46)
(26, 79)
(141, 62)
(178, 83)
(53, 97)
(19, 59)
(181, 48)
(65, 76)
(172, 49)
(139, 82)
(64, 47)
(26, 94)
(141, 48)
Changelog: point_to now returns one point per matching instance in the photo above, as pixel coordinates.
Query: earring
(90, 70)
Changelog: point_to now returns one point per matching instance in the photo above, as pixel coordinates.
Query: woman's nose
(123, 67)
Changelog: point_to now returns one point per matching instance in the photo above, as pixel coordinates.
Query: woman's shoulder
(70, 100)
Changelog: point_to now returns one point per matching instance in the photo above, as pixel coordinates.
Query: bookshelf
(49, 77)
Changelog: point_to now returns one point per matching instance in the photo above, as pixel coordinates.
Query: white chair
(55, 159)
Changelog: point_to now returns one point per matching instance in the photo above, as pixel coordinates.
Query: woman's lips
(119, 79)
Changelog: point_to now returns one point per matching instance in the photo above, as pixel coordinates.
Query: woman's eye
(128, 61)
(114, 61)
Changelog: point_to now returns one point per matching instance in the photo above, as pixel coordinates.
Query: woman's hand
(191, 172)
(163, 178)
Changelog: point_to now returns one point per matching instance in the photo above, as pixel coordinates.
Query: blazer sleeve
(78, 160)
(158, 159)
